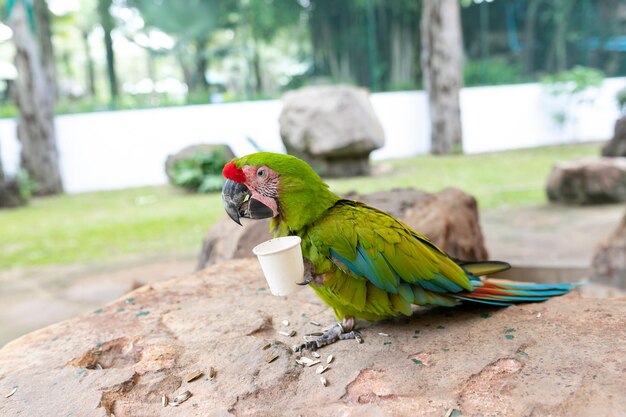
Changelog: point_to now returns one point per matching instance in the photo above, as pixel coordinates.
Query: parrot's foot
(340, 331)
(310, 275)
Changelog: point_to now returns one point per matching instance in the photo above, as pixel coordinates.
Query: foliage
(575, 86)
(621, 99)
(574, 82)
(27, 185)
(494, 71)
(202, 172)
(156, 220)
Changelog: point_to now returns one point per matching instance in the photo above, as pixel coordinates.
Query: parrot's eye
(261, 172)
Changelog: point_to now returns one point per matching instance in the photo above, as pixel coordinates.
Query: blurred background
(116, 117)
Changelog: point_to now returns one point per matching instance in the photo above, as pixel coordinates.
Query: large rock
(10, 195)
(609, 260)
(588, 181)
(617, 145)
(448, 218)
(191, 150)
(333, 128)
(564, 357)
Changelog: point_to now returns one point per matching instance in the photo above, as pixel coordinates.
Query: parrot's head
(263, 185)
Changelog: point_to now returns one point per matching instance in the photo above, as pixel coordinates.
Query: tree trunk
(529, 36)
(44, 37)
(442, 66)
(89, 65)
(35, 99)
(107, 25)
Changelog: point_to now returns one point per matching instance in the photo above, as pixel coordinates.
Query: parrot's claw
(331, 335)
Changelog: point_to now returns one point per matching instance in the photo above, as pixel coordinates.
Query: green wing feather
(384, 266)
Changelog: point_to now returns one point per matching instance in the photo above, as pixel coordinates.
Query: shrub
(202, 172)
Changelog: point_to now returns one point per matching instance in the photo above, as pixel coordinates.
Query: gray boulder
(333, 128)
(609, 260)
(192, 150)
(617, 145)
(588, 181)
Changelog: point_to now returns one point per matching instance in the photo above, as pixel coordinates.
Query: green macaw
(360, 261)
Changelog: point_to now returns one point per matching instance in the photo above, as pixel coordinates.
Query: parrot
(362, 262)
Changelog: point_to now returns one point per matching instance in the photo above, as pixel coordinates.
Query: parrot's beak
(238, 203)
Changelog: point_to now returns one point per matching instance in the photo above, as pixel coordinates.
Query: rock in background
(563, 357)
(333, 128)
(588, 181)
(617, 145)
(190, 151)
(448, 218)
(609, 261)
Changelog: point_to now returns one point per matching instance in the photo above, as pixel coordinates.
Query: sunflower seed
(266, 346)
(306, 361)
(270, 357)
(329, 359)
(323, 381)
(321, 369)
(315, 355)
(212, 373)
(358, 338)
(285, 322)
(181, 398)
(314, 323)
(314, 334)
(164, 401)
(13, 391)
(383, 334)
(288, 334)
(193, 376)
(98, 366)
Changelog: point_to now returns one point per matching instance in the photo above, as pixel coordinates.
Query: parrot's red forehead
(231, 172)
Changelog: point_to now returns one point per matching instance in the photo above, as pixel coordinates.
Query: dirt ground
(551, 238)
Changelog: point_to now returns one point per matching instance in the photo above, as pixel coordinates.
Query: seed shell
(315, 355)
(180, 398)
(193, 376)
(13, 391)
(285, 322)
(321, 369)
(212, 373)
(271, 357)
(323, 381)
(383, 334)
(329, 359)
(314, 323)
(266, 346)
(358, 338)
(288, 334)
(164, 401)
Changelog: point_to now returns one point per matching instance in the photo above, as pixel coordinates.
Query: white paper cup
(281, 261)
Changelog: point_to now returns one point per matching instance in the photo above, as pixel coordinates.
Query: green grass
(154, 220)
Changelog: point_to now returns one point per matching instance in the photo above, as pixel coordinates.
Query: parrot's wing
(373, 245)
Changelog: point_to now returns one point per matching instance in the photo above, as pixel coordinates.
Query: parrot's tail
(504, 293)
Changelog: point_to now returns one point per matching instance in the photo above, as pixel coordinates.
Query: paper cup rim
(258, 249)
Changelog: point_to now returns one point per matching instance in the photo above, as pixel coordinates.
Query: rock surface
(609, 260)
(448, 218)
(192, 150)
(588, 181)
(10, 193)
(333, 128)
(617, 145)
(564, 357)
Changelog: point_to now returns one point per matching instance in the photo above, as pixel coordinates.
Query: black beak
(238, 204)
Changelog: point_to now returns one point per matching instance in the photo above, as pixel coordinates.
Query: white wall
(122, 149)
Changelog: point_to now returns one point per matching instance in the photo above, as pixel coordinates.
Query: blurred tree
(191, 24)
(86, 21)
(265, 18)
(442, 66)
(106, 20)
(35, 97)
